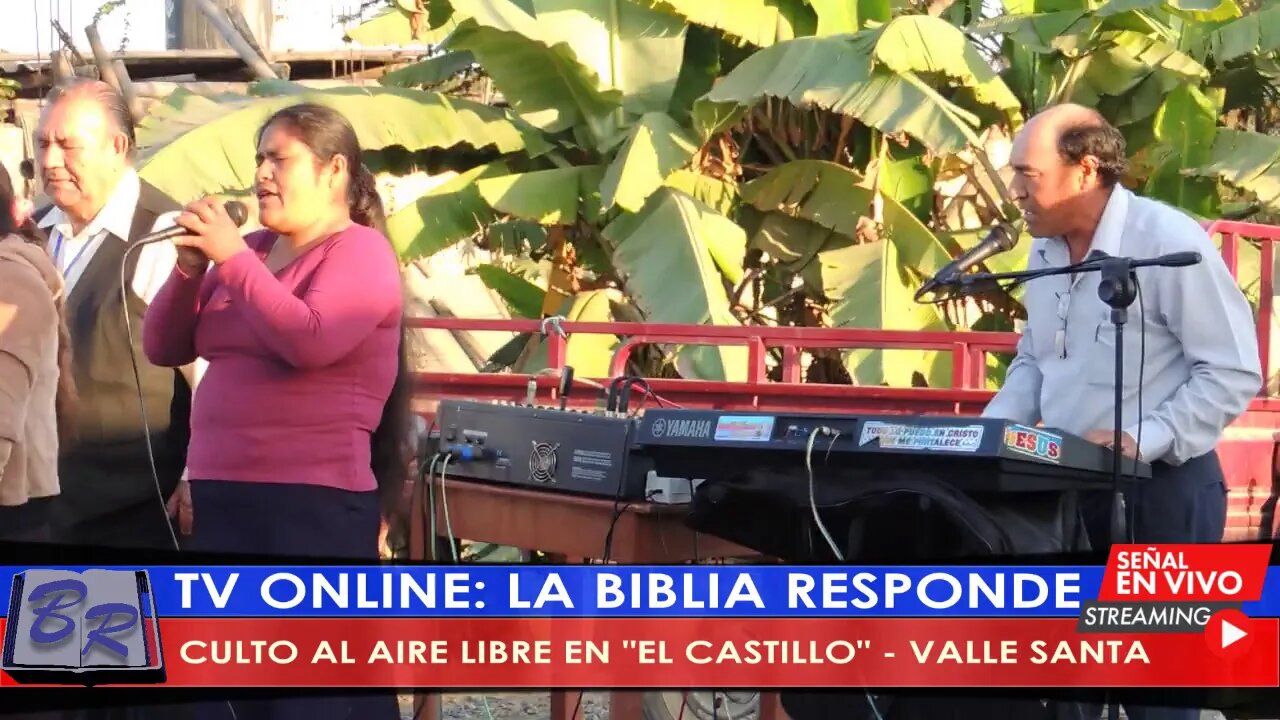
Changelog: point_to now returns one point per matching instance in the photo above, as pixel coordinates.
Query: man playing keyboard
(1200, 367)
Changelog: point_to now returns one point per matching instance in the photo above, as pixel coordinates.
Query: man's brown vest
(108, 468)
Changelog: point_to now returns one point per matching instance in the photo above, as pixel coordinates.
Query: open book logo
(95, 627)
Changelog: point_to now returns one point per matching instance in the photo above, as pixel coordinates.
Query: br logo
(83, 628)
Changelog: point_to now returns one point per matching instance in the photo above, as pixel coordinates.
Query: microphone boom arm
(963, 284)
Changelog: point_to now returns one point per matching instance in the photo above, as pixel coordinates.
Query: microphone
(235, 209)
(1002, 238)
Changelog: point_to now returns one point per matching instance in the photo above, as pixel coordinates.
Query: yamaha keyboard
(890, 489)
(595, 453)
(976, 454)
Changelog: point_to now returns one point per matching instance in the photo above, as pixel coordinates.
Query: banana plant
(793, 162)
(673, 100)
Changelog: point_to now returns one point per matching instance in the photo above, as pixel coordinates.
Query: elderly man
(1201, 355)
(109, 495)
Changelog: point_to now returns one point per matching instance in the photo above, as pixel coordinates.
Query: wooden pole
(106, 71)
(241, 25)
(113, 72)
(128, 90)
(162, 89)
(219, 20)
(63, 72)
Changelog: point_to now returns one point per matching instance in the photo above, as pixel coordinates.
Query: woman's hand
(191, 261)
(179, 505)
(211, 233)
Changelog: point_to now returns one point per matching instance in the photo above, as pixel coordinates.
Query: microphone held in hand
(236, 210)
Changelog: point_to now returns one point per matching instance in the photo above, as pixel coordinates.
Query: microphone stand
(1117, 288)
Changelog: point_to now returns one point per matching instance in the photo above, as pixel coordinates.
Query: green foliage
(793, 162)
(193, 145)
(874, 77)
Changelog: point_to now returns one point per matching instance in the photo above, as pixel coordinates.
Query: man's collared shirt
(73, 252)
(1201, 352)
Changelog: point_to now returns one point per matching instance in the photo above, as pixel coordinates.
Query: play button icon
(1231, 634)
(1228, 633)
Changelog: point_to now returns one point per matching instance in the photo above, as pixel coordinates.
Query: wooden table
(569, 529)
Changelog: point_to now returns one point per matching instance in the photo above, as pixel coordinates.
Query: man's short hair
(1099, 139)
(110, 99)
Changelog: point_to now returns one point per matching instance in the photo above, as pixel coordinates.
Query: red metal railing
(969, 349)
(1247, 453)
(1233, 233)
(969, 352)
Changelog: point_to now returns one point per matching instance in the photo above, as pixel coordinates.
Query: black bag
(895, 517)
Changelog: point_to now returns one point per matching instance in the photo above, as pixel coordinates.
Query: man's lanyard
(57, 252)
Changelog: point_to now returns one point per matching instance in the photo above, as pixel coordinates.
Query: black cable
(621, 399)
(611, 400)
(618, 510)
(142, 406)
(420, 505)
(624, 400)
(619, 396)
(142, 403)
(648, 393)
(1142, 371)
(696, 555)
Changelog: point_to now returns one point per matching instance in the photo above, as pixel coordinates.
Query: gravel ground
(537, 706)
(510, 706)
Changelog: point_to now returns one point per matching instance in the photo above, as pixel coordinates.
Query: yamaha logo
(681, 428)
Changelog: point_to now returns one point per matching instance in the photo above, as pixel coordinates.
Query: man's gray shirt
(1202, 365)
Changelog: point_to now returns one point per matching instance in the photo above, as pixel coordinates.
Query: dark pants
(28, 522)
(297, 520)
(145, 525)
(1180, 504)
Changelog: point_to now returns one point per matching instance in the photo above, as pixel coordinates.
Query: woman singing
(299, 424)
(36, 385)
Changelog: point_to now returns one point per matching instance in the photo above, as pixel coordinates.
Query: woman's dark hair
(65, 400)
(328, 134)
(8, 223)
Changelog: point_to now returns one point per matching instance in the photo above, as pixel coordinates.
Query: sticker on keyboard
(1034, 442)
(946, 438)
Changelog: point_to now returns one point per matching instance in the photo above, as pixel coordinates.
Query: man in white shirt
(1201, 356)
(84, 150)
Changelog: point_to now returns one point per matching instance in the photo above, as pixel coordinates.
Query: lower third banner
(693, 652)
